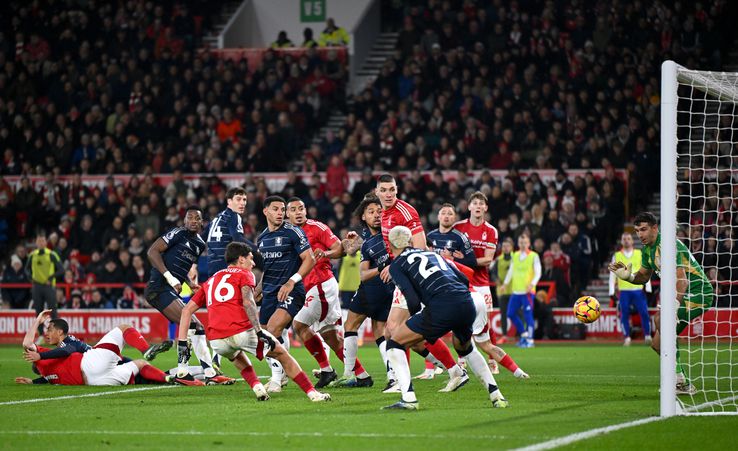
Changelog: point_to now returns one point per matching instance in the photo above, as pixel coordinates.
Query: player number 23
(223, 292)
(423, 268)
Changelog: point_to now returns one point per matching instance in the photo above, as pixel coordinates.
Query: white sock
(195, 371)
(286, 339)
(277, 370)
(202, 352)
(385, 359)
(480, 368)
(350, 348)
(432, 359)
(402, 371)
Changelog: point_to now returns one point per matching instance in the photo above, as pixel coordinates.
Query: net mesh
(707, 215)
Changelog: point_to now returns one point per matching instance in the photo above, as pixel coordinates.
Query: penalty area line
(568, 439)
(86, 395)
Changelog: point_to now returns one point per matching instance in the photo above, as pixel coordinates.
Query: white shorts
(479, 328)
(487, 295)
(100, 364)
(398, 300)
(322, 309)
(243, 341)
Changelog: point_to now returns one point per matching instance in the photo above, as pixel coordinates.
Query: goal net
(699, 158)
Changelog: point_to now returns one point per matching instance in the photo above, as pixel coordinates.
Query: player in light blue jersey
(430, 283)
(287, 259)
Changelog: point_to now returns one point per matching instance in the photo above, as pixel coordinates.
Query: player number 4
(423, 268)
(218, 294)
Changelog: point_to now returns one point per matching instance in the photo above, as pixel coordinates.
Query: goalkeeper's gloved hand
(623, 272)
(183, 352)
(267, 340)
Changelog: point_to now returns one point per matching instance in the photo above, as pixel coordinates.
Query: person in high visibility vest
(43, 267)
(333, 35)
(522, 277)
(630, 294)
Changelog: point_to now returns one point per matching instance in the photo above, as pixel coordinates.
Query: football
(587, 309)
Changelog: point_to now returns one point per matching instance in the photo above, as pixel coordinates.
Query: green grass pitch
(573, 388)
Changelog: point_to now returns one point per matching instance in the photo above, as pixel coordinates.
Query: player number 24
(423, 268)
(218, 291)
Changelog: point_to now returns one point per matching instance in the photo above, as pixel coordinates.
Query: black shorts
(159, 296)
(373, 303)
(435, 321)
(292, 305)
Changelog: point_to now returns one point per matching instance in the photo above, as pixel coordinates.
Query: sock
(152, 373)
(249, 375)
(315, 347)
(285, 339)
(195, 371)
(429, 365)
(402, 372)
(509, 363)
(350, 348)
(679, 367)
(528, 314)
(442, 353)
(430, 358)
(479, 367)
(359, 370)
(407, 355)
(382, 345)
(216, 359)
(303, 382)
(277, 370)
(134, 338)
(202, 352)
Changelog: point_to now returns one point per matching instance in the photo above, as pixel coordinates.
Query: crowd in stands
(472, 86)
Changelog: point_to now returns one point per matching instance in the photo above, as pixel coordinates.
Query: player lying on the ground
(233, 324)
(99, 365)
(428, 282)
(172, 256)
(695, 294)
(322, 309)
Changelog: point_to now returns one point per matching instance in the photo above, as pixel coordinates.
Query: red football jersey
(64, 371)
(482, 237)
(400, 214)
(321, 237)
(222, 293)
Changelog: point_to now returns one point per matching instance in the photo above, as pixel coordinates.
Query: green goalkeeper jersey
(699, 291)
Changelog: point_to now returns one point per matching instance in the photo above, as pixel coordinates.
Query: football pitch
(572, 389)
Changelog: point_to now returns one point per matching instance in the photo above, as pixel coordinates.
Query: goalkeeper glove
(183, 352)
(267, 340)
(624, 272)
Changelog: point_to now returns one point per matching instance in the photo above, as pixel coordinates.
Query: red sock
(429, 365)
(134, 338)
(509, 363)
(152, 373)
(441, 352)
(315, 347)
(249, 375)
(303, 382)
(359, 368)
(407, 355)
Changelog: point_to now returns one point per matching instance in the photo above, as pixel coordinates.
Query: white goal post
(699, 183)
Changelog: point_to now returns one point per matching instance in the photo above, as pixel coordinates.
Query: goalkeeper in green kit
(695, 294)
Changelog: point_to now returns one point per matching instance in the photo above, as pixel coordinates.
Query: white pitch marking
(87, 395)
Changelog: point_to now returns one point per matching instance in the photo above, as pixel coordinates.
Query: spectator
(283, 41)
(333, 35)
(336, 178)
(16, 298)
(308, 41)
(553, 274)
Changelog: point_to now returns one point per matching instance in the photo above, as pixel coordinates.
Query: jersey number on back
(215, 232)
(223, 292)
(423, 268)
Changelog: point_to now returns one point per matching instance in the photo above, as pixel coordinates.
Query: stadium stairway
(383, 48)
(597, 287)
(227, 10)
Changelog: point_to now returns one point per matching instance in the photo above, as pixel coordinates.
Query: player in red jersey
(483, 237)
(322, 309)
(397, 212)
(101, 365)
(233, 324)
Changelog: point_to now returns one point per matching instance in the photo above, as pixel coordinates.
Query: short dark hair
(647, 217)
(271, 199)
(233, 192)
(294, 199)
(478, 195)
(193, 208)
(385, 178)
(60, 324)
(236, 249)
(448, 205)
(368, 200)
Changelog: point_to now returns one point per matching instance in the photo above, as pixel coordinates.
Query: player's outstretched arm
(367, 273)
(335, 251)
(154, 255)
(30, 337)
(352, 243)
(623, 271)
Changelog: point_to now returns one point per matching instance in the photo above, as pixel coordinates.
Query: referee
(43, 267)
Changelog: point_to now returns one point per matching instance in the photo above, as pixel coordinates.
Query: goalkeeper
(695, 294)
